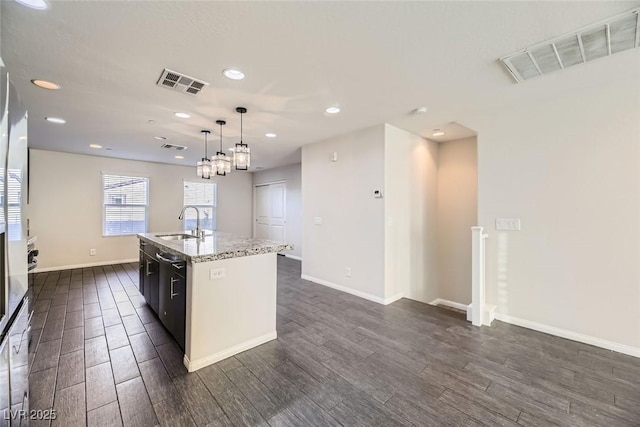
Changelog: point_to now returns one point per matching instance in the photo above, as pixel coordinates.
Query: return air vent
(174, 147)
(617, 34)
(180, 82)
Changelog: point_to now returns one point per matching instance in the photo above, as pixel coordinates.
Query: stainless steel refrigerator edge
(14, 303)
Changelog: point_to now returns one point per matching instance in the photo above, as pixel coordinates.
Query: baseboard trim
(394, 298)
(570, 335)
(297, 258)
(489, 310)
(489, 314)
(91, 264)
(448, 303)
(221, 355)
(355, 292)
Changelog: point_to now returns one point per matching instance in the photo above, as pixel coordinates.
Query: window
(202, 195)
(126, 203)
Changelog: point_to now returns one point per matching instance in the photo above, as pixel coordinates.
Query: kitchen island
(216, 295)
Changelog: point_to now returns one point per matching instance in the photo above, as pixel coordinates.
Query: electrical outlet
(347, 271)
(92, 252)
(217, 273)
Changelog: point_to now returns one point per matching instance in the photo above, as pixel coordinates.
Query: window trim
(105, 205)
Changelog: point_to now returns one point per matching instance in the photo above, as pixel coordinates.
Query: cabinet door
(164, 298)
(141, 273)
(173, 301)
(151, 281)
(178, 293)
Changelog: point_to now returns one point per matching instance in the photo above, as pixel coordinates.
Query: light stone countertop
(214, 246)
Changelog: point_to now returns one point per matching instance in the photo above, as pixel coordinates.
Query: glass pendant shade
(221, 162)
(242, 152)
(203, 167)
(242, 157)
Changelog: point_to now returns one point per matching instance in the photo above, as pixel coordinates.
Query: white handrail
(477, 275)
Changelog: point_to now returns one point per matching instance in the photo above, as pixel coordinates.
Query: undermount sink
(177, 237)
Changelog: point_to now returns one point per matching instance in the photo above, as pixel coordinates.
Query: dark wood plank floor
(100, 357)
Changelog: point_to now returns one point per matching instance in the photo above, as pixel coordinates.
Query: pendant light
(242, 152)
(221, 162)
(204, 165)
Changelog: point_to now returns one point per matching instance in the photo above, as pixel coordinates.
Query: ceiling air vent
(180, 82)
(617, 34)
(174, 147)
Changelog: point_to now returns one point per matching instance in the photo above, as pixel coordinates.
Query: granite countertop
(214, 246)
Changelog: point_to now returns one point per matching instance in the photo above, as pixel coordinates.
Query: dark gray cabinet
(163, 282)
(172, 299)
(149, 275)
(151, 280)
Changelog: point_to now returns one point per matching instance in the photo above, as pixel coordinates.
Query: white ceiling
(377, 60)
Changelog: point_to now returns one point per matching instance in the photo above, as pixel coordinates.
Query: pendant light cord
(220, 137)
(206, 155)
(241, 114)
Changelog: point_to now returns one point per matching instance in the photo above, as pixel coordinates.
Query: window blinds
(126, 203)
(202, 195)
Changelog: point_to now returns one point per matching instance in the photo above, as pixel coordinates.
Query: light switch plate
(509, 224)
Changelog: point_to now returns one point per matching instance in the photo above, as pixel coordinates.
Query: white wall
(457, 213)
(570, 169)
(411, 215)
(352, 230)
(292, 175)
(65, 207)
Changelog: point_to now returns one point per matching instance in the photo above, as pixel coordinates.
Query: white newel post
(477, 276)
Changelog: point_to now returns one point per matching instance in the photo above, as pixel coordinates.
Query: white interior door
(278, 220)
(262, 210)
(270, 211)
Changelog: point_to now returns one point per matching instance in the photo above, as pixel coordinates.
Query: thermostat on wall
(510, 224)
(377, 194)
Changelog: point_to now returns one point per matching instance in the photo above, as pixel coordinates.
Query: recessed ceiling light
(159, 138)
(179, 157)
(44, 84)
(270, 135)
(34, 4)
(332, 110)
(55, 120)
(95, 146)
(233, 74)
(438, 132)
(182, 115)
(420, 110)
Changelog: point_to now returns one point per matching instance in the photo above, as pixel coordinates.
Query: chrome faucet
(198, 232)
